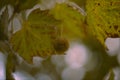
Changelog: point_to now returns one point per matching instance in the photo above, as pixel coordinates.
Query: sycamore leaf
(36, 36)
(103, 18)
(72, 20)
(40, 32)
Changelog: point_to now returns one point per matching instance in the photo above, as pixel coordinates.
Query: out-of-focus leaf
(111, 77)
(81, 3)
(2, 3)
(103, 18)
(19, 5)
(6, 2)
(36, 36)
(43, 28)
(72, 20)
(103, 62)
(24, 4)
(47, 69)
(4, 25)
(3, 47)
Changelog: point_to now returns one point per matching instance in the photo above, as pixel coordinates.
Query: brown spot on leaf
(116, 27)
(119, 31)
(98, 4)
(110, 26)
(108, 34)
(98, 24)
(115, 35)
(111, 3)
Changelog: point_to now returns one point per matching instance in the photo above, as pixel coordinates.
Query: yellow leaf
(71, 21)
(103, 18)
(36, 36)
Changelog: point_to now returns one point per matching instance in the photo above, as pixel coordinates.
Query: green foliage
(39, 33)
(36, 36)
(47, 32)
(42, 27)
(71, 21)
(18, 5)
(103, 18)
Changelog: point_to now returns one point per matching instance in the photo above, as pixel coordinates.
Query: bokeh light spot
(76, 56)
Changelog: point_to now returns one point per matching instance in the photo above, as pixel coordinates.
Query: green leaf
(36, 36)
(103, 18)
(71, 21)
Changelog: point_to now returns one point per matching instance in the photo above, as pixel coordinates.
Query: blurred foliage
(47, 32)
(103, 18)
(104, 61)
(19, 5)
(36, 36)
(71, 19)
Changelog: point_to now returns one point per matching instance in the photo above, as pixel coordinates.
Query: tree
(48, 29)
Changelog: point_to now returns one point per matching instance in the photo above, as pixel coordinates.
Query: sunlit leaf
(72, 20)
(103, 18)
(36, 36)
